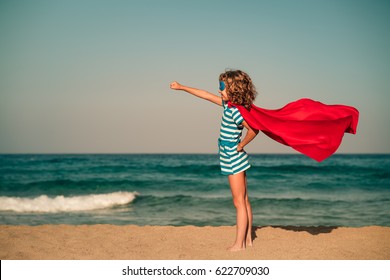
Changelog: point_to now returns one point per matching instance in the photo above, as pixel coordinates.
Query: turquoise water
(344, 190)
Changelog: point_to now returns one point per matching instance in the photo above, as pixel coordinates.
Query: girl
(235, 87)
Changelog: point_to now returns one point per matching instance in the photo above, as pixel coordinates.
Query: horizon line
(166, 153)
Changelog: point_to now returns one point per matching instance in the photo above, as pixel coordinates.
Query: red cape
(310, 127)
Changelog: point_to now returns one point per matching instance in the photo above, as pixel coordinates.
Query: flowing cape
(310, 127)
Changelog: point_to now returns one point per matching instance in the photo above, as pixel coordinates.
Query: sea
(187, 189)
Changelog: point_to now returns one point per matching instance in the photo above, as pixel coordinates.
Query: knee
(239, 202)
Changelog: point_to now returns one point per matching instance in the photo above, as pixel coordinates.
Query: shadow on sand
(313, 230)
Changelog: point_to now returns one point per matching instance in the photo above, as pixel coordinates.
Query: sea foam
(61, 203)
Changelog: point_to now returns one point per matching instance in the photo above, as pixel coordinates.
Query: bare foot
(236, 248)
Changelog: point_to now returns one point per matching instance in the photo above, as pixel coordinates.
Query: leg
(250, 216)
(238, 189)
(249, 241)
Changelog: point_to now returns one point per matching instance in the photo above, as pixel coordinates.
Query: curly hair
(239, 87)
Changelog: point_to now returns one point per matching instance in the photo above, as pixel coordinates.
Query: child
(235, 87)
(310, 127)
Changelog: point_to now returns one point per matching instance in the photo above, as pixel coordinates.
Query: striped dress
(231, 161)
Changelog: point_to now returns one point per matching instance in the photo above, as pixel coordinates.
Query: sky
(93, 76)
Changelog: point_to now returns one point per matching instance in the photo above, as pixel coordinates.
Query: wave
(215, 201)
(60, 203)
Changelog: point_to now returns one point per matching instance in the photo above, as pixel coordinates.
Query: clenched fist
(175, 85)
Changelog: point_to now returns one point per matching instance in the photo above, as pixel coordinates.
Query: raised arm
(198, 93)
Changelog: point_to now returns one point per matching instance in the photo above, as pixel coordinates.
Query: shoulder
(234, 110)
(233, 113)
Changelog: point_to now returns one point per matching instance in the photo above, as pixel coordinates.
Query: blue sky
(93, 76)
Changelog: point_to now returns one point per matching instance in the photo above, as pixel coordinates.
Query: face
(222, 91)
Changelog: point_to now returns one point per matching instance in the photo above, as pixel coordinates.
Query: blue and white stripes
(231, 125)
(231, 161)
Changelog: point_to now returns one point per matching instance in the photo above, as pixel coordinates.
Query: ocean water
(159, 189)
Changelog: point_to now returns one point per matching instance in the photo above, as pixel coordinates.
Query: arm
(250, 135)
(198, 93)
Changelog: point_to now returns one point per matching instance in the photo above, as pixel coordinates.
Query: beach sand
(109, 242)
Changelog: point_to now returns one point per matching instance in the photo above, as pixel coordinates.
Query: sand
(109, 242)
